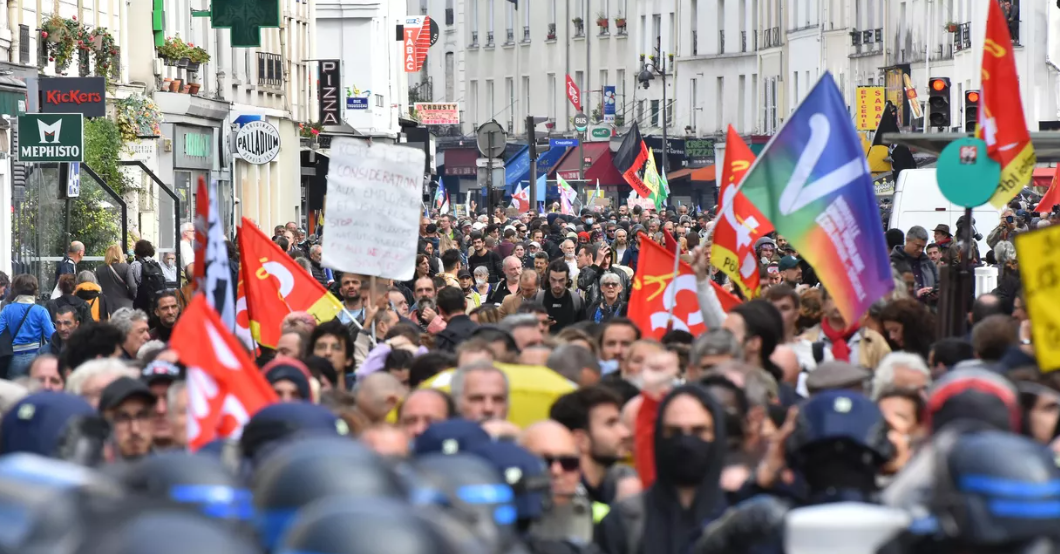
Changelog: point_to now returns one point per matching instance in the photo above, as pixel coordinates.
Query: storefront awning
(460, 162)
(708, 173)
(680, 174)
(599, 167)
(1043, 176)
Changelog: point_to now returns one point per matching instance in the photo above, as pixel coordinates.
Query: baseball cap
(763, 241)
(37, 422)
(463, 274)
(449, 437)
(535, 244)
(788, 262)
(122, 389)
(839, 414)
(478, 226)
(572, 235)
(159, 371)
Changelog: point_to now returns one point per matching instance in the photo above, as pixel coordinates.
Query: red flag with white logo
(224, 387)
(651, 299)
(573, 94)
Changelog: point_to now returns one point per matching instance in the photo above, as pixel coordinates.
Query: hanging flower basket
(601, 22)
(193, 67)
(620, 22)
(138, 117)
(173, 50)
(952, 27)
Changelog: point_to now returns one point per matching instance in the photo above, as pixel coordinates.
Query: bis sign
(51, 137)
(258, 142)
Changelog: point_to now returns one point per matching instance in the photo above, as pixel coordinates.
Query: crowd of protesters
(660, 447)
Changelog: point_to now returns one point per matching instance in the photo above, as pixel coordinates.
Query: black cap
(122, 389)
(463, 274)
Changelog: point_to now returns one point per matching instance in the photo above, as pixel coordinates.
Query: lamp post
(647, 75)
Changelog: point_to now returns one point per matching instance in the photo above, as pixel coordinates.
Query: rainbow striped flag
(813, 183)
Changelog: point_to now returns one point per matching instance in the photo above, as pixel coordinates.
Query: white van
(918, 201)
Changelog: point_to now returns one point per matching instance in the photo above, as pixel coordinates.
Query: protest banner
(374, 206)
(1040, 274)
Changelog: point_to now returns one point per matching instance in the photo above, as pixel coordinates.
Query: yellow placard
(1040, 272)
(869, 102)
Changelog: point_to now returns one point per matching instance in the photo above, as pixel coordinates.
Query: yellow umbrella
(532, 390)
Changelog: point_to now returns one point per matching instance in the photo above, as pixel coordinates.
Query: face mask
(684, 458)
(610, 366)
(480, 281)
(588, 221)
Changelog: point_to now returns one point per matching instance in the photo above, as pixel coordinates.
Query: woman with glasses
(610, 304)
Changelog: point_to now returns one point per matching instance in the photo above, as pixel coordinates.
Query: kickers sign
(83, 95)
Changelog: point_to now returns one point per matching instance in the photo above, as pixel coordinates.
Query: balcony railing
(474, 38)
(510, 37)
(551, 32)
(771, 37)
(962, 39)
(449, 18)
(721, 42)
(270, 70)
(526, 33)
(743, 41)
(489, 39)
(23, 44)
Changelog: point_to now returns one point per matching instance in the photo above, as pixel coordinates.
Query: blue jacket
(38, 327)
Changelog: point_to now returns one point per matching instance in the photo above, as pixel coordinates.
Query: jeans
(20, 363)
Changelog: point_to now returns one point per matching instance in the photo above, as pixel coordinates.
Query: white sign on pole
(373, 208)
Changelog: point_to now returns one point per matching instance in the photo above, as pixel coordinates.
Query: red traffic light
(972, 97)
(938, 85)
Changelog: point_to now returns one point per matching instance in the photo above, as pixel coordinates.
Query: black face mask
(685, 459)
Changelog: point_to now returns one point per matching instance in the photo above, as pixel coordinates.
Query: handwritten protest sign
(373, 206)
(1040, 274)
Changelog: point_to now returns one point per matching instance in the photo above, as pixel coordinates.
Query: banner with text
(438, 113)
(869, 104)
(373, 206)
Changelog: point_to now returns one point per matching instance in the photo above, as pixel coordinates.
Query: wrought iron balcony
(270, 70)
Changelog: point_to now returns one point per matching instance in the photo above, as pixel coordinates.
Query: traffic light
(939, 102)
(971, 110)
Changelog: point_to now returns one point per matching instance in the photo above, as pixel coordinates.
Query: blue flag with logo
(812, 181)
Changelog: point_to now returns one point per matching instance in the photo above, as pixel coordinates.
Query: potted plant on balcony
(620, 22)
(952, 27)
(60, 34)
(197, 56)
(601, 20)
(172, 50)
(577, 21)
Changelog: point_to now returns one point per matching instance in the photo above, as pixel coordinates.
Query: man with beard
(593, 416)
(350, 289)
(564, 307)
(167, 310)
(481, 256)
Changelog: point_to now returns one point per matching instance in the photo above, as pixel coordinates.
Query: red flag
(739, 222)
(276, 286)
(649, 304)
(573, 94)
(224, 386)
(1052, 196)
(202, 219)
(672, 244)
(1001, 123)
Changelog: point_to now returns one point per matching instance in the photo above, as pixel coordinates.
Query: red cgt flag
(739, 222)
(276, 286)
(1052, 196)
(650, 301)
(224, 387)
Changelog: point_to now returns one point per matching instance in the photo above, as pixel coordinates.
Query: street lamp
(645, 77)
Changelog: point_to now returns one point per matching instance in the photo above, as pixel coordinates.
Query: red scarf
(839, 339)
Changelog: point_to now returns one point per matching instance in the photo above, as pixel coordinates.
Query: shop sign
(700, 152)
(258, 142)
(51, 137)
(83, 95)
(193, 149)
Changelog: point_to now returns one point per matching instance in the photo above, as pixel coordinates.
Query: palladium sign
(51, 137)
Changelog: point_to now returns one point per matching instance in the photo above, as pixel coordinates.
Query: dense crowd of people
(689, 443)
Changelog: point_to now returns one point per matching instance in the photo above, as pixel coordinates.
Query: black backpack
(152, 283)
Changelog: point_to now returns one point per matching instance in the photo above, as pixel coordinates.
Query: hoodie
(654, 522)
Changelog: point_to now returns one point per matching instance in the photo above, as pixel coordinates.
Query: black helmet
(45, 503)
(475, 493)
(194, 479)
(994, 488)
(140, 529)
(342, 525)
(303, 471)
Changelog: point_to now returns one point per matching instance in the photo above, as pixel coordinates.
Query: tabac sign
(415, 42)
(51, 137)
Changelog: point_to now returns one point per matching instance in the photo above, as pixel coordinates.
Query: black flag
(901, 157)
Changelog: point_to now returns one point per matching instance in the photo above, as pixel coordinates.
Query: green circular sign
(966, 175)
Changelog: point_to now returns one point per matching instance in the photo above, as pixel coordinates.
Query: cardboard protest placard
(373, 206)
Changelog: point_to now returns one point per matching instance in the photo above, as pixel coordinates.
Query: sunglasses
(568, 463)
